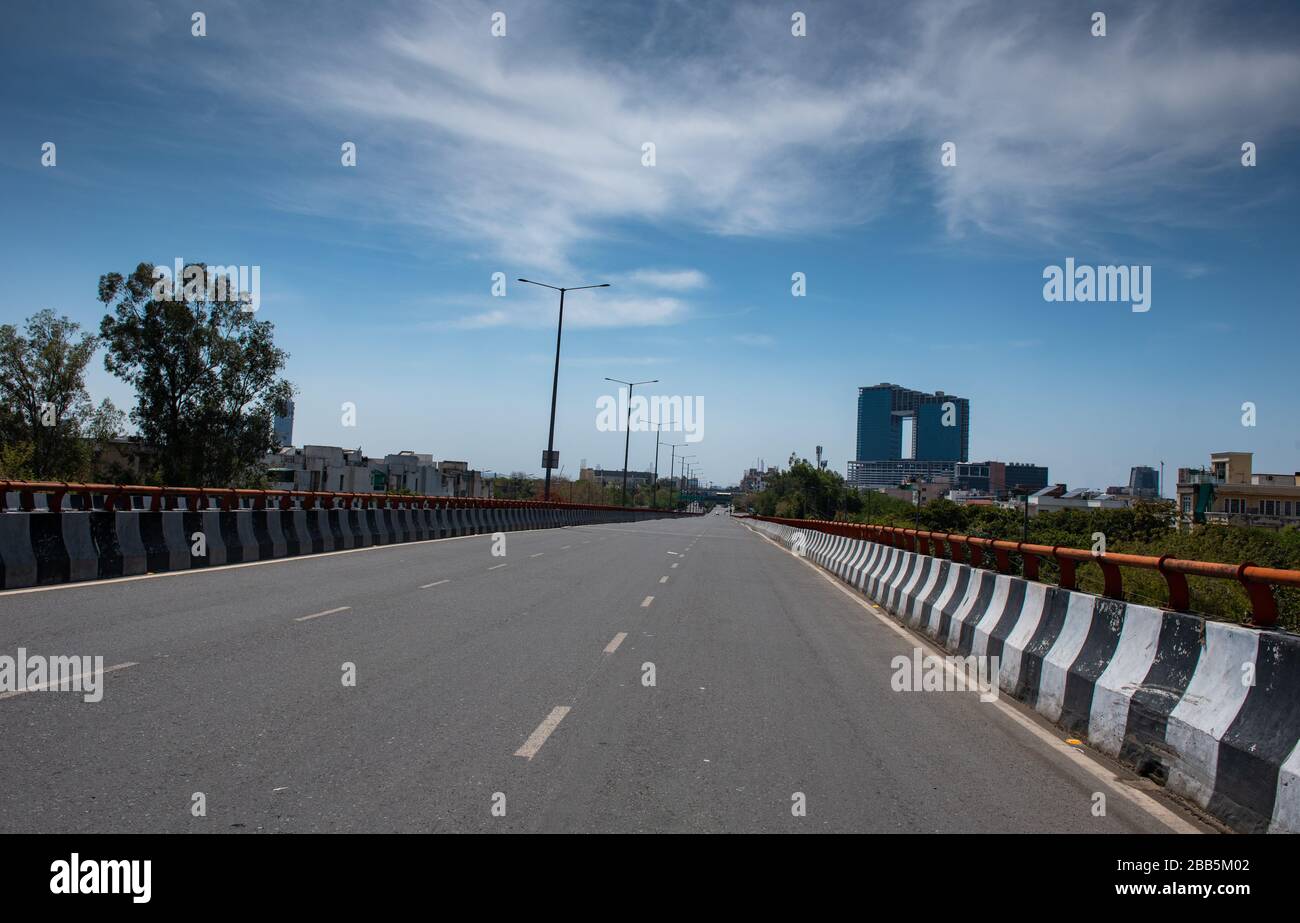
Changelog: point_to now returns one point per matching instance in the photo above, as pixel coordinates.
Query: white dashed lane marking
(612, 646)
(544, 730)
(316, 615)
(40, 687)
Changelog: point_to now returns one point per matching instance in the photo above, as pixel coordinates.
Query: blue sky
(774, 154)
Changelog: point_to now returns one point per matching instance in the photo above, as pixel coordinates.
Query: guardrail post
(1114, 580)
(1068, 579)
(1180, 599)
(1028, 563)
(1263, 605)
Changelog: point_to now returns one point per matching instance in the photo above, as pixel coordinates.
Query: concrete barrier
(1211, 710)
(40, 547)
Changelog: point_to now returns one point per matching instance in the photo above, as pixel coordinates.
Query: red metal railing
(119, 497)
(1258, 582)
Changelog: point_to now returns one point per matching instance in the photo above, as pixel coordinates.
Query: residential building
(316, 467)
(322, 467)
(1229, 491)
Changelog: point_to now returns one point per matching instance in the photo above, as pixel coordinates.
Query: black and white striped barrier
(1210, 709)
(39, 548)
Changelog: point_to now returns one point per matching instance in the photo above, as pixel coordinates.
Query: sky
(774, 154)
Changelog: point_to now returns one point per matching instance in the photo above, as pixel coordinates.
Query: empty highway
(509, 693)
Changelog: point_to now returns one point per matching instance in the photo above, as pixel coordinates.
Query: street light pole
(549, 460)
(654, 478)
(627, 438)
(672, 467)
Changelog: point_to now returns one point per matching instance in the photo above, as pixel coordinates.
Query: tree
(48, 425)
(205, 372)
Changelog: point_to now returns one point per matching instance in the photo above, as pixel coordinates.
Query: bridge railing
(1258, 582)
(111, 497)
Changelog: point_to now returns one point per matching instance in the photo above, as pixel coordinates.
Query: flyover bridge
(615, 673)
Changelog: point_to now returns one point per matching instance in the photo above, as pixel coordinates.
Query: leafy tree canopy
(206, 375)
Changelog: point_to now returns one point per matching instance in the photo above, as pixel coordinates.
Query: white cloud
(677, 280)
(581, 310)
(527, 146)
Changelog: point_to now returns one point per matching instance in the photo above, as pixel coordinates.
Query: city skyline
(775, 156)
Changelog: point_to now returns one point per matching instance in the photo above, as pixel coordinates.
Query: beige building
(1230, 492)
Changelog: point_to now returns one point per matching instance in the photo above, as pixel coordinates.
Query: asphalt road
(768, 681)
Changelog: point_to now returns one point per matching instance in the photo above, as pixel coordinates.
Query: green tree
(48, 424)
(206, 376)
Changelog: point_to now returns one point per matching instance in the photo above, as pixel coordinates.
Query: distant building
(316, 467)
(607, 477)
(1020, 475)
(755, 479)
(321, 467)
(1058, 497)
(875, 474)
(1230, 492)
(882, 409)
(1144, 481)
(929, 490)
(282, 428)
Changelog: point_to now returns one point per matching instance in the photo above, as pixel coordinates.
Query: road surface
(508, 693)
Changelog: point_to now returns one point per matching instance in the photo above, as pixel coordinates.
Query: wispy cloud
(523, 147)
(678, 280)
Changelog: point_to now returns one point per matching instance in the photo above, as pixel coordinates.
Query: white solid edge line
(612, 646)
(435, 583)
(40, 687)
(316, 615)
(645, 603)
(544, 730)
(1138, 799)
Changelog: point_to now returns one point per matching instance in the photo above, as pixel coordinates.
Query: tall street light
(685, 466)
(672, 466)
(654, 478)
(548, 462)
(627, 439)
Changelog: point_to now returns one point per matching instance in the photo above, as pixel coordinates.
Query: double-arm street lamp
(549, 460)
(627, 439)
